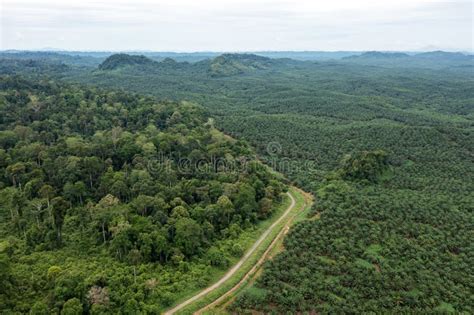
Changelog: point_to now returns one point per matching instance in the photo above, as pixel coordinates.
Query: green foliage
(217, 258)
(53, 272)
(366, 165)
(72, 307)
(233, 64)
(125, 182)
(253, 296)
(445, 308)
(120, 60)
(39, 308)
(373, 249)
(388, 239)
(237, 250)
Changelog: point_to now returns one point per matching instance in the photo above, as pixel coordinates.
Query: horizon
(58, 50)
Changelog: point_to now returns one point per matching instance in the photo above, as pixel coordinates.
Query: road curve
(236, 267)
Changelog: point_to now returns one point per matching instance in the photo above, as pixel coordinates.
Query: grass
(245, 240)
(302, 200)
(296, 214)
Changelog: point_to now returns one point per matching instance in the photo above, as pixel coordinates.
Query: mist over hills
(432, 59)
(198, 56)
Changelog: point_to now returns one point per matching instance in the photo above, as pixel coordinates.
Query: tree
(119, 189)
(225, 208)
(245, 201)
(134, 257)
(46, 191)
(121, 243)
(103, 213)
(92, 166)
(188, 236)
(39, 308)
(75, 192)
(15, 172)
(72, 307)
(175, 118)
(60, 207)
(366, 165)
(98, 296)
(81, 161)
(179, 212)
(216, 257)
(265, 208)
(68, 191)
(237, 250)
(143, 205)
(37, 208)
(5, 273)
(32, 187)
(53, 273)
(7, 139)
(4, 158)
(80, 191)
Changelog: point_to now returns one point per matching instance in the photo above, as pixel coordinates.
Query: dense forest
(384, 141)
(96, 178)
(370, 246)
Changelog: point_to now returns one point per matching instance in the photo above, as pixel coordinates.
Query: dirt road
(239, 264)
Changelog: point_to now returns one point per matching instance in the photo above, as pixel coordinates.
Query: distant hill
(51, 57)
(32, 66)
(443, 55)
(308, 55)
(378, 55)
(117, 61)
(232, 64)
(194, 56)
(220, 66)
(433, 59)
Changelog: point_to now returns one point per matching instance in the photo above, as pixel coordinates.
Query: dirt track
(239, 264)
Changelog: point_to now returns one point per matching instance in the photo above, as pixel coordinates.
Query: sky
(237, 25)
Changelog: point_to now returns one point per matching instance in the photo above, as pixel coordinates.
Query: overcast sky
(237, 25)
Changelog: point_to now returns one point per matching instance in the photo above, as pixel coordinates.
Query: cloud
(237, 24)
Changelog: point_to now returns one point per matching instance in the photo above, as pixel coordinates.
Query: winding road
(236, 267)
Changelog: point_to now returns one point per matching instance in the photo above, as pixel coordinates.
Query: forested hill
(231, 64)
(113, 201)
(121, 60)
(377, 55)
(221, 66)
(212, 66)
(56, 57)
(430, 60)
